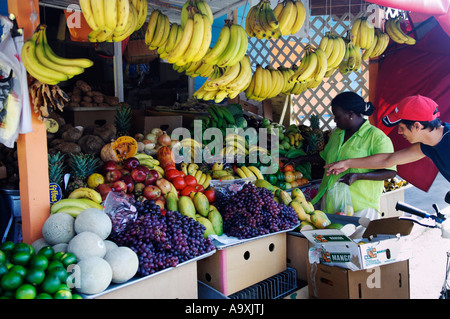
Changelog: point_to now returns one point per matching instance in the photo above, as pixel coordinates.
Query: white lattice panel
(289, 50)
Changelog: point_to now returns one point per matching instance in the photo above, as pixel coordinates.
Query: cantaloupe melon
(39, 243)
(95, 221)
(94, 274)
(110, 245)
(60, 248)
(58, 228)
(87, 244)
(124, 263)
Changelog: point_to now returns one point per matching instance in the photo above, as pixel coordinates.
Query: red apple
(103, 189)
(129, 181)
(162, 198)
(124, 171)
(113, 175)
(130, 163)
(164, 185)
(144, 168)
(151, 192)
(138, 174)
(109, 166)
(151, 178)
(119, 186)
(138, 188)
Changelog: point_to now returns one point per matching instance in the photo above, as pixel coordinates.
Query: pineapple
(123, 120)
(317, 132)
(56, 168)
(81, 166)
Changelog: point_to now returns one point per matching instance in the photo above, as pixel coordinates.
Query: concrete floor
(424, 200)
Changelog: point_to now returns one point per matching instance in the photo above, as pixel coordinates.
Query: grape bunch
(252, 212)
(163, 241)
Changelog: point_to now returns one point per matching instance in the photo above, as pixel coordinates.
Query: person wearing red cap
(418, 121)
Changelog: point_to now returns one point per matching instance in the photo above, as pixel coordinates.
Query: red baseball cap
(413, 108)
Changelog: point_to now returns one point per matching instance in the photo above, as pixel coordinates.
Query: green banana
(227, 115)
(212, 112)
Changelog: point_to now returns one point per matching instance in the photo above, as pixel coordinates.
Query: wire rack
(275, 287)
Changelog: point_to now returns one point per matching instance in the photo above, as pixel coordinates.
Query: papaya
(265, 184)
(172, 201)
(307, 206)
(298, 209)
(201, 204)
(305, 225)
(319, 219)
(186, 206)
(285, 198)
(209, 227)
(216, 220)
(125, 147)
(297, 193)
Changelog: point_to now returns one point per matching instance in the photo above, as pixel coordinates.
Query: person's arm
(376, 175)
(315, 158)
(377, 161)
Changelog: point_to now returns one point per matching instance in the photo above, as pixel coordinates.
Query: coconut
(58, 228)
(94, 274)
(124, 263)
(95, 221)
(87, 244)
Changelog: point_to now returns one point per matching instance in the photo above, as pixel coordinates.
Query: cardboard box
(85, 116)
(389, 281)
(142, 123)
(240, 266)
(297, 248)
(174, 283)
(388, 201)
(382, 243)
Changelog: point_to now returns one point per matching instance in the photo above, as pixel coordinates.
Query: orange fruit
(94, 180)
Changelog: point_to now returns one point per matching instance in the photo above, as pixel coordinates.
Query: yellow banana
(192, 168)
(85, 6)
(300, 19)
(86, 192)
(129, 28)
(202, 179)
(206, 39)
(205, 9)
(151, 27)
(196, 39)
(207, 181)
(222, 41)
(232, 47)
(98, 11)
(393, 31)
(309, 69)
(198, 175)
(240, 53)
(355, 30)
(160, 31)
(243, 79)
(256, 172)
(142, 9)
(278, 9)
(363, 34)
(240, 173)
(247, 172)
(322, 64)
(181, 47)
(123, 13)
(288, 15)
(369, 51)
(110, 10)
(249, 21)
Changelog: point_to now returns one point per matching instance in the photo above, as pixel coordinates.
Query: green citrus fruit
(21, 258)
(11, 280)
(35, 276)
(68, 259)
(21, 270)
(50, 284)
(46, 251)
(40, 261)
(26, 291)
(63, 294)
(44, 295)
(59, 272)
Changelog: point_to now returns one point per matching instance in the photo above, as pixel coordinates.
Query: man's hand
(336, 168)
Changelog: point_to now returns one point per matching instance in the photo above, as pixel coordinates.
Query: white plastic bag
(340, 198)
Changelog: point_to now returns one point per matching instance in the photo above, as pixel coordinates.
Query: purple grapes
(163, 241)
(253, 212)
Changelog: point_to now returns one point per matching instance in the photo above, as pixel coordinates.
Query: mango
(298, 194)
(299, 210)
(265, 184)
(285, 198)
(216, 220)
(172, 201)
(201, 204)
(209, 227)
(305, 225)
(186, 206)
(219, 173)
(319, 219)
(227, 178)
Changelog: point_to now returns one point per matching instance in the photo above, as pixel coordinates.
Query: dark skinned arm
(376, 175)
(315, 158)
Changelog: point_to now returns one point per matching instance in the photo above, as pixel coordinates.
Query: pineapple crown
(83, 165)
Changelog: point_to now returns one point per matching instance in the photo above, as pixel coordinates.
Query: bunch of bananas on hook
(291, 15)
(334, 48)
(352, 59)
(261, 22)
(393, 28)
(379, 45)
(312, 68)
(363, 33)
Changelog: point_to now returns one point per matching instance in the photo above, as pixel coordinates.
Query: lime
(54, 263)
(7, 246)
(3, 269)
(46, 251)
(64, 287)
(44, 295)
(63, 294)
(59, 272)
(76, 296)
(50, 284)
(21, 270)
(9, 265)
(35, 276)
(8, 294)
(26, 291)
(11, 280)
(68, 259)
(2, 257)
(21, 258)
(58, 255)
(23, 247)
(40, 261)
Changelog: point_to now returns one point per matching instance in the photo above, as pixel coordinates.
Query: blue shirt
(440, 153)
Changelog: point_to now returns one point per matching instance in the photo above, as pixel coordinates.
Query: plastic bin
(11, 220)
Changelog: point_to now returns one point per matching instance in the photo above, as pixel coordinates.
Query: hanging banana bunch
(334, 48)
(261, 22)
(379, 45)
(266, 83)
(113, 21)
(200, 5)
(291, 15)
(312, 68)
(352, 59)
(363, 33)
(194, 69)
(393, 28)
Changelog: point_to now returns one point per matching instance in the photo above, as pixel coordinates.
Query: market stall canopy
(439, 9)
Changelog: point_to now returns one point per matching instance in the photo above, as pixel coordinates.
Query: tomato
(190, 180)
(211, 195)
(169, 167)
(171, 174)
(179, 183)
(199, 188)
(288, 168)
(187, 190)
